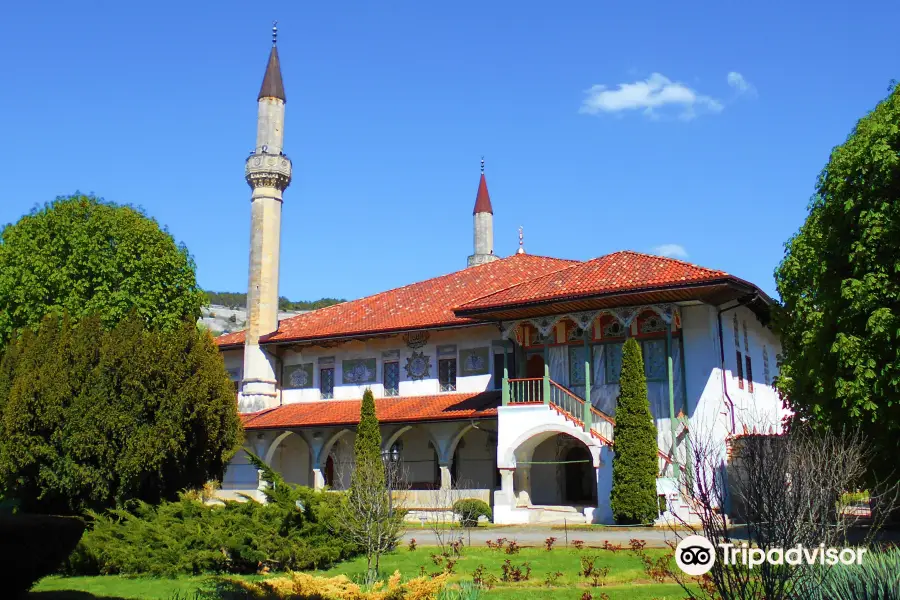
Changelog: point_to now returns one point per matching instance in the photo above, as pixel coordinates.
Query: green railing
(530, 390)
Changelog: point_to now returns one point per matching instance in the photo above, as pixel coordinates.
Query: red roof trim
(403, 409)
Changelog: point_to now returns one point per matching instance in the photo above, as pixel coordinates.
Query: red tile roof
(483, 199)
(440, 407)
(616, 272)
(421, 305)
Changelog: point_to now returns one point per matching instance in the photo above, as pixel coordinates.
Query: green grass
(114, 586)
(626, 577)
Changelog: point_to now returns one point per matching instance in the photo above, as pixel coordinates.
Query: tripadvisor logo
(695, 555)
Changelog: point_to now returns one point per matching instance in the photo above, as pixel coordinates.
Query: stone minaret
(484, 225)
(268, 172)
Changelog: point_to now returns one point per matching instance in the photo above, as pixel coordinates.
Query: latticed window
(447, 374)
(737, 333)
(391, 379)
(326, 383)
(655, 363)
(766, 377)
(613, 362)
(746, 339)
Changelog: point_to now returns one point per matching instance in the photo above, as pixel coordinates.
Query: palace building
(498, 380)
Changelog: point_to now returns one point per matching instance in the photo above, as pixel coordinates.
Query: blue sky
(604, 126)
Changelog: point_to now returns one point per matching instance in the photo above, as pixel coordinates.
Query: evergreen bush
(633, 498)
(291, 531)
(470, 509)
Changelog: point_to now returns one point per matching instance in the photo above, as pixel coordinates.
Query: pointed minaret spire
(272, 86)
(484, 224)
(521, 249)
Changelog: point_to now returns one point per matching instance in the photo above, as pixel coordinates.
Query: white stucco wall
(465, 338)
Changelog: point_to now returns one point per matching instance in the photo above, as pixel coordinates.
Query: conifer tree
(369, 468)
(633, 498)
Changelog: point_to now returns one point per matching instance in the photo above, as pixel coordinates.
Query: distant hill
(236, 300)
(227, 311)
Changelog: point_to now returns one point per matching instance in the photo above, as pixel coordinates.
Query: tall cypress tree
(633, 498)
(369, 470)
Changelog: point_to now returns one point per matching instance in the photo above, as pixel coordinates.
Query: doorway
(534, 367)
(581, 484)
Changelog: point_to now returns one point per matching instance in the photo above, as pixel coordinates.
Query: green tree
(633, 497)
(370, 518)
(91, 417)
(84, 256)
(839, 283)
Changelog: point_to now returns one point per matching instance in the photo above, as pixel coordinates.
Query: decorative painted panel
(652, 323)
(295, 377)
(576, 365)
(613, 329)
(390, 355)
(613, 362)
(358, 371)
(474, 361)
(418, 366)
(326, 361)
(655, 360)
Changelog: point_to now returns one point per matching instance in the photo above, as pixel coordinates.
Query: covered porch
(437, 461)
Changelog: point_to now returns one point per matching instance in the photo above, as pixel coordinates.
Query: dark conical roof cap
(483, 199)
(272, 86)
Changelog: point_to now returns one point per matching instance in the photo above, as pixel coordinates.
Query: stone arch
(274, 445)
(525, 443)
(289, 454)
(325, 450)
(394, 437)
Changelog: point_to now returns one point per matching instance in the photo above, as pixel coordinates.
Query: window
(326, 383)
(749, 374)
(740, 369)
(737, 333)
(766, 377)
(498, 371)
(613, 362)
(447, 374)
(655, 360)
(746, 339)
(391, 379)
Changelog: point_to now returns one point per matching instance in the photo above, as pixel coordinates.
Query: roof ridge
(409, 285)
(515, 285)
(657, 256)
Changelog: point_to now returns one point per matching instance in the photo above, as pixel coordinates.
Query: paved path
(534, 535)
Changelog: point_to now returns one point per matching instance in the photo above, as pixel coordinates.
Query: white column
(524, 497)
(318, 479)
(446, 480)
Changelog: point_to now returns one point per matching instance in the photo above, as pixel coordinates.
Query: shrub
(33, 546)
(878, 577)
(548, 543)
(303, 586)
(470, 509)
(189, 537)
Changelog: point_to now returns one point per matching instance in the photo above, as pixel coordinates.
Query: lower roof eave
(485, 417)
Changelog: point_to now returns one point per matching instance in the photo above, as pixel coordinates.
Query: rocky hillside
(222, 319)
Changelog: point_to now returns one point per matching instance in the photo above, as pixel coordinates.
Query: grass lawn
(626, 578)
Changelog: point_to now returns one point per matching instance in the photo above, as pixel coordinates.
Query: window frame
(322, 393)
(384, 368)
(447, 386)
(739, 372)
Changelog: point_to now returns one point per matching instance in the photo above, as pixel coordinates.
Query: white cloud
(651, 95)
(671, 250)
(737, 81)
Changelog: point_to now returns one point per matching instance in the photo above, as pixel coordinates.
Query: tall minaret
(484, 225)
(268, 172)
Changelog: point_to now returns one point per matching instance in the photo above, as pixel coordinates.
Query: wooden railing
(529, 389)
